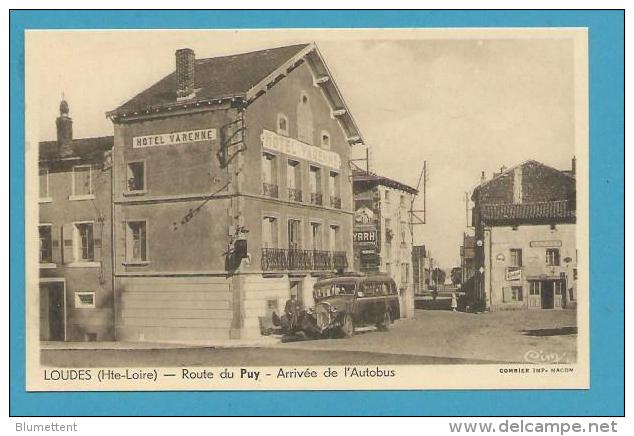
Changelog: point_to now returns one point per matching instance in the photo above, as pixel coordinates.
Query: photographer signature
(539, 356)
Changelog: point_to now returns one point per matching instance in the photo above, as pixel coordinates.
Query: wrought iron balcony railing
(274, 259)
(335, 202)
(270, 190)
(316, 198)
(294, 194)
(281, 259)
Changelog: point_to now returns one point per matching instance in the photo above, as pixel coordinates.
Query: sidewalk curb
(144, 346)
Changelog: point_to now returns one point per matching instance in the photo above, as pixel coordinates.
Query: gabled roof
(81, 148)
(359, 175)
(561, 210)
(509, 171)
(215, 78)
(241, 77)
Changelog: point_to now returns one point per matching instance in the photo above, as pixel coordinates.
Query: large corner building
(231, 191)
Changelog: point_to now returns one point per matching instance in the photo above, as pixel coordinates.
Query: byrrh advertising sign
(174, 138)
(283, 144)
(364, 236)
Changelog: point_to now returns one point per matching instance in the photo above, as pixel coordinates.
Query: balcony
(335, 202)
(281, 259)
(270, 190)
(295, 195)
(316, 198)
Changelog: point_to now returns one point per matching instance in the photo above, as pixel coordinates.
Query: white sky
(465, 104)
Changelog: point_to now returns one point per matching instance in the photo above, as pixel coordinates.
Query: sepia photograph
(307, 209)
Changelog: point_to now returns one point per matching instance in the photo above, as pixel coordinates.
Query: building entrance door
(52, 312)
(534, 294)
(297, 289)
(548, 294)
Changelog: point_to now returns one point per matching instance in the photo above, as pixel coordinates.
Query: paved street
(432, 337)
(495, 336)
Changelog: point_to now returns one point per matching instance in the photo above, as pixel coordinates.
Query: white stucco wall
(533, 240)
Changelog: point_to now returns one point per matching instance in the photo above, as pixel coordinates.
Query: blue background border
(606, 396)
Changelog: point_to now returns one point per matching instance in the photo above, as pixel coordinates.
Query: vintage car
(345, 302)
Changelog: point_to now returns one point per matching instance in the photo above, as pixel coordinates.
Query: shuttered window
(84, 243)
(46, 244)
(136, 243)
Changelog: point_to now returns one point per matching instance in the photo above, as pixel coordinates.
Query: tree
(456, 275)
(438, 276)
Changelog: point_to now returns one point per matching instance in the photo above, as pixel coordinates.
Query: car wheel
(387, 321)
(347, 328)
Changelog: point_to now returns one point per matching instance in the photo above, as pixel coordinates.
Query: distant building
(526, 257)
(75, 220)
(232, 191)
(421, 269)
(382, 230)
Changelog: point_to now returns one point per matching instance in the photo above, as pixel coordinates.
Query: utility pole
(414, 218)
(466, 199)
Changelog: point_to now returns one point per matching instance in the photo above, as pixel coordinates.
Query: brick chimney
(64, 130)
(574, 165)
(185, 60)
(483, 178)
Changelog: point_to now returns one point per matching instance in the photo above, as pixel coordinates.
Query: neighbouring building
(75, 221)
(467, 262)
(232, 191)
(382, 230)
(526, 256)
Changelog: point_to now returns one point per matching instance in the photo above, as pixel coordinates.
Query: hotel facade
(232, 190)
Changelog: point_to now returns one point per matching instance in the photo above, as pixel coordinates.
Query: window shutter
(506, 294)
(67, 243)
(122, 242)
(56, 244)
(97, 233)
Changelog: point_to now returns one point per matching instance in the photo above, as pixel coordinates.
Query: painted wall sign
(513, 273)
(545, 243)
(283, 144)
(367, 236)
(174, 138)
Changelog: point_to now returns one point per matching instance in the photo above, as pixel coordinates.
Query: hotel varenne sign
(174, 138)
(292, 147)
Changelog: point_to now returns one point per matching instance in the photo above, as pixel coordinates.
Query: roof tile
(217, 77)
(547, 210)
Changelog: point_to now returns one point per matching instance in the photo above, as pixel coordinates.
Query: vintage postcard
(307, 209)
